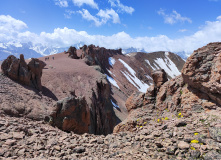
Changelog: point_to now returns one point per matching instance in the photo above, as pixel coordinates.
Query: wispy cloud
(61, 3)
(91, 3)
(120, 6)
(182, 30)
(109, 14)
(68, 13)
(102, 16)
(174, 17)
(86, 15)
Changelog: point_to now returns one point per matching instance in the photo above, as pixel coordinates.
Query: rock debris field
(174, 137)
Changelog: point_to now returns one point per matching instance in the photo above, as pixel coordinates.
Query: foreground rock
(28, 74)
(21, 138)
(202, 70)
(184, 103)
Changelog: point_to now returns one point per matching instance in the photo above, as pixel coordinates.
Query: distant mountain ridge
(30, 50)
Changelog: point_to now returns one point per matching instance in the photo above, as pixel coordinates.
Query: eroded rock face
(27, 74)
(72, 114)
(202, 70)
(159, 77)
(93, 114)
(93, 55)
(35, 67)
(72, 51)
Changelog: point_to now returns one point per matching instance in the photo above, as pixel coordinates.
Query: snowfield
(169, 67)
(111, 61)
(112, 81)
(131, 77)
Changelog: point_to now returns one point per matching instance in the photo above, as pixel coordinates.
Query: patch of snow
(129, 79)
(169, 67)
(149, 64)
(167, 53)
(39, 50)
(115, 105)
(148, 77)
(140, 85)
(156, 67)
(112, 81)
(8, 52)
(111, 61)
(2, 46)
(110, 72)
(16, 44)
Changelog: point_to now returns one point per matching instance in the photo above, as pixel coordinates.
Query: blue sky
(173, 25)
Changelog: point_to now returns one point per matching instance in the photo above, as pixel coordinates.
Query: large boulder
(72, 114)
(27, 74)
(202, 70)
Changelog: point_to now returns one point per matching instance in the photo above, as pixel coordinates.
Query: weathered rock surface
(159, 77)
(202, 70)
(72, 114)
(79, 115)
(23, 101)
(28, 74)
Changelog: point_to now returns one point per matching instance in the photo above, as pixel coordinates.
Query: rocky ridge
(192, 111)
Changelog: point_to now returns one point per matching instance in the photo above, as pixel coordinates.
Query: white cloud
(174, 17)
(182, 30)
(91, 3)
(9, 23)
(61, 3)
(86, 15)
(120, 6)
(10, 27)
(68, 13)
(11, 31)
(104, 15)
(109, 14)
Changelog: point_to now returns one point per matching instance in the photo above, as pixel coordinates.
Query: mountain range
(30, 50)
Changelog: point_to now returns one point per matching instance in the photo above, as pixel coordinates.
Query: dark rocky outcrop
(72, 53)
(93, 55)
(27, 74)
